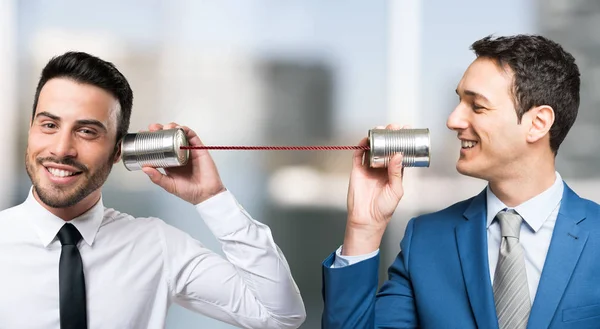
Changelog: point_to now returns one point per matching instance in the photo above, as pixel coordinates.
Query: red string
(276, 148)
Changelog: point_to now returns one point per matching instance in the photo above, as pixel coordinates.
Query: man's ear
(541, 119)
(117, 152)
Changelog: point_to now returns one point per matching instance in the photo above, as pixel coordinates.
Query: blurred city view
(302, 72)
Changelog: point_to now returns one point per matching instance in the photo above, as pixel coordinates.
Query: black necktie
(73, 313)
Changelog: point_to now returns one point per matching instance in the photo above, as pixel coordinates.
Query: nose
(64, 145)
(457, 120)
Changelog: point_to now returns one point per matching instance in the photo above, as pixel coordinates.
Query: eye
(87, 132)
(49, 125)
(477, 107)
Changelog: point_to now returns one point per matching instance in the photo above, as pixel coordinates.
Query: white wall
(8, 102)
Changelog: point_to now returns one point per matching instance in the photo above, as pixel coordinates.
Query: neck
(525, 182)
(69, 213)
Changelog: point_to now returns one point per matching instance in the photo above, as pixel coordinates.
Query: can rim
(182, 140)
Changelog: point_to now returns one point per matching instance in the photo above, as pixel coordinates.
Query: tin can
(414, 144)
(158, 149)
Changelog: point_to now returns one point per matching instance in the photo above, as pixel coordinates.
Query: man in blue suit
(523, 253)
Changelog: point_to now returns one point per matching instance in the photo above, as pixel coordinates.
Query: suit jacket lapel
(565, 248)
(471, 238)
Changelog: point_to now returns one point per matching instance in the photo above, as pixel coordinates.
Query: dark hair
(544, 74)
(85, 68)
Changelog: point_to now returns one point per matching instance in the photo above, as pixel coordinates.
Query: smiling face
(71, 144)
(492, 141)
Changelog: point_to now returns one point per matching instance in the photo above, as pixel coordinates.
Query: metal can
(158, 149)
(414, 144)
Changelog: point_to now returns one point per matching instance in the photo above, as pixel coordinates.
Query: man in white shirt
(523, 253)
(68, 261)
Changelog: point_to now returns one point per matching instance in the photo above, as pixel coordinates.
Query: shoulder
(445, 220)
(592, 208)
(590, 204)
(573, 202)
(450, 214)
(11, 212)
(137, 226)
(113, 216)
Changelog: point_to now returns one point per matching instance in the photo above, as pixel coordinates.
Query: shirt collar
(47, 224)
(534, 211)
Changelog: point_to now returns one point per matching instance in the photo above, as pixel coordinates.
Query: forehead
(71, 100)
(486, 77)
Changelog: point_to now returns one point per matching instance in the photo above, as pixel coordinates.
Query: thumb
(395, 173)
(159, 179)
(357, 158)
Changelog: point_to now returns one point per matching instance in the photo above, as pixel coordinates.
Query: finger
(191, 136)
(395, 174)
(393, 126)
(357, 159)
(407, 127)
(170, 125)
(159, 179)
(155, 127)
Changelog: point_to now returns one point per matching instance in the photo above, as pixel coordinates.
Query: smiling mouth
(62, 173)
(467, 144)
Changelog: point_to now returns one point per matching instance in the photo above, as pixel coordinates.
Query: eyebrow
(84, 122)
(475, 95)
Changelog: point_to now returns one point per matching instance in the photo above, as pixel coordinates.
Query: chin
(468, 169)
(60, 198)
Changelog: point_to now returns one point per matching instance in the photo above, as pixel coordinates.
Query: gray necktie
(511, 291)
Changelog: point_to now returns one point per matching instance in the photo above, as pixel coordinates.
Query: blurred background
(290, 73)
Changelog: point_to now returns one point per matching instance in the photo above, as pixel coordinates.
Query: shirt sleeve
(343, 261)
(252, 287)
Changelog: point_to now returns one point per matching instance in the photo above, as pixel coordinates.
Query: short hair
(544, 74)
(88, 69)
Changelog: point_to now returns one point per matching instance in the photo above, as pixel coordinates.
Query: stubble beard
(68, 196)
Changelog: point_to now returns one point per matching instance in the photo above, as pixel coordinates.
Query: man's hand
(195, 182)
(373, 195)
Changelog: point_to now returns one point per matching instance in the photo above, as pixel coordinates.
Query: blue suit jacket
(441, 278)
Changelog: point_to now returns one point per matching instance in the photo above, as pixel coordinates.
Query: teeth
(467, 144)
(60, 173)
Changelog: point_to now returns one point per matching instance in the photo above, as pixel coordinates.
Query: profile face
(486, 121)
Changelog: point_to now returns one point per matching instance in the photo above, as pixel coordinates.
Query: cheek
(488, 129)
(508, 139)
(39, 141)
(497, 131)
(95, 157)
(35, 147)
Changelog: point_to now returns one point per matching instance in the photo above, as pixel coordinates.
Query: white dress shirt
(539, 216)
(135, 268)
